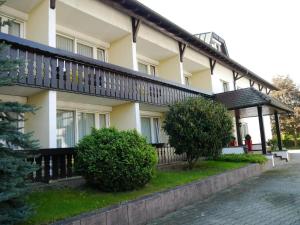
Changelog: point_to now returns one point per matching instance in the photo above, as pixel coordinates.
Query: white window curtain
(143, 67)
(85, 50)
(86, 121)
(156, 128)
(187, 81)
(64, 43)
(152, 70)
(102, 121)
(14, 29)
(146, 128)
(100, 54)
(225, 86)
(65, 129)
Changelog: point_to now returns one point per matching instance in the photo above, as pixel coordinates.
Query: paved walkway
(271, 199)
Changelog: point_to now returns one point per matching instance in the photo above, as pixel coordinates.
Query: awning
(246, 101)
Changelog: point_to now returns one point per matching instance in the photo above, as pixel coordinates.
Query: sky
(262, 35)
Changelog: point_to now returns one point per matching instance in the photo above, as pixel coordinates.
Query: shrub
(289, 143)
(198, 127)
(115, 160)
(251, 158)
(273, 143)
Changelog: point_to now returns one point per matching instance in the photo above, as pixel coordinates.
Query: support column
(278, 133)
(126, 117)
(43, 122)
(238, 127)
(262, 130)
(181, 53)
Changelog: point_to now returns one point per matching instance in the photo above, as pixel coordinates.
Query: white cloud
(262, 35)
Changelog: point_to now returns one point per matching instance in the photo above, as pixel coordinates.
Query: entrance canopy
(248, 99)
(249, 102)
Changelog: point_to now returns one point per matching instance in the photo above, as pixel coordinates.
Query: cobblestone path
(270, 199)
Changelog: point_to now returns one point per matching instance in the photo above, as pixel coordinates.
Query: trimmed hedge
(115, 160)
(250, 158)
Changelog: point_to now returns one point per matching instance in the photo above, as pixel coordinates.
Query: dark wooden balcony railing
(51, 68)
(52, 163)
(59, 163)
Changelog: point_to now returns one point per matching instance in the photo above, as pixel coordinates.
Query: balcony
(45, 67)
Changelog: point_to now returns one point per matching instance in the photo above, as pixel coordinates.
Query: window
(225, 85)
(216, 44)
(85, 50)
(65, 131)
(86, 121)
(146, 128)
(146, 68)
(71, 128)
(14, 28)
(152, 70)
(156, 129)
(100, 54)
(18, 125)
(72, 44)
(143, 67)
(187, 78)
(102, 121)
(150, 128)
(65, 43)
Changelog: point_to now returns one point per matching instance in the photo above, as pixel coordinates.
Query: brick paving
(270, 199)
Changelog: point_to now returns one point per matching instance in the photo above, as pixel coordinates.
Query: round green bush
(115, 160)
(198, 127)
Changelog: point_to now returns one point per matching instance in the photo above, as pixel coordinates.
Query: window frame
(94, 47)
(149, 65)
(152, 128)
(223, 85)
(5, 28)
(96, 120)
(74, 124)
(187, 76)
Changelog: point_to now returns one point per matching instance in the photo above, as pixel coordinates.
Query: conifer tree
(14, 169)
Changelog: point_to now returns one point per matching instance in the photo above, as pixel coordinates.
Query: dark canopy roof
(247, 99)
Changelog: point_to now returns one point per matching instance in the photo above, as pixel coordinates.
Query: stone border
(147, 208)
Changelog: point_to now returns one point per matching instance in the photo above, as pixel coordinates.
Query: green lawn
(52, 205)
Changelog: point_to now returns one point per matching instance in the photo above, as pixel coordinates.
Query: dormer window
(214, 41)
(216, 45)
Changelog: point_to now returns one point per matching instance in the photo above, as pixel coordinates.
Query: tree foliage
(198, 127)
(14, 169)
(288, 94)
(115, 160)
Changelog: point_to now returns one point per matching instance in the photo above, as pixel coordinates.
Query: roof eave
(153, 19)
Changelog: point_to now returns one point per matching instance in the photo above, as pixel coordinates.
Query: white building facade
(92, 63)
